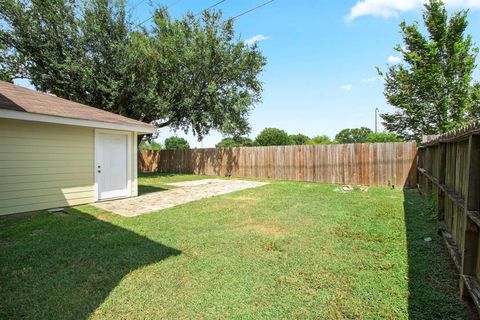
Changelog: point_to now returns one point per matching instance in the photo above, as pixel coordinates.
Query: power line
(174, 3)
(212, 6)
(136, 6)
(253, 9)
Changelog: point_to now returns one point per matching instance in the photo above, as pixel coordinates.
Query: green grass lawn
(285, 250)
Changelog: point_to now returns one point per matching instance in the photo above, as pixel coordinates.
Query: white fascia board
(19, 115)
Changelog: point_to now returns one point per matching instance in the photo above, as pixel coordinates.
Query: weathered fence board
(449, 170)
(381, 164)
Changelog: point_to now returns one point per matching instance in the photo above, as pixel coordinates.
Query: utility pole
(376, 115)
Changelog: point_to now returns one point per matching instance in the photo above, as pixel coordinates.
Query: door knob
(99, 171)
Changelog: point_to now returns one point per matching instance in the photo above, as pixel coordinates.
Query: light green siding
(44, 165)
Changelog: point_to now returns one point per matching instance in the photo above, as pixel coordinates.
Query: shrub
(356, 135)
(272, 137)
(232, 142)
(383, 137)
(176, 143)
(323, 139)
(299, 139)
(152, 145)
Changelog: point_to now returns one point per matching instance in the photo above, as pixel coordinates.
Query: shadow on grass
(144, 189)
(432, 276)
(63, 267)
(156, 174)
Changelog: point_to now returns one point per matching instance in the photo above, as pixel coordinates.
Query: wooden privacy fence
(449, 170)
(381, 164)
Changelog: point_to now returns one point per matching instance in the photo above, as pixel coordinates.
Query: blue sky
(320, 76)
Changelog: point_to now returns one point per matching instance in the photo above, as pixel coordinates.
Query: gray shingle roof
(16, 98)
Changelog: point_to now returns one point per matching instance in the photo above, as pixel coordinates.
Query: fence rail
(449, 171)
(381, 164)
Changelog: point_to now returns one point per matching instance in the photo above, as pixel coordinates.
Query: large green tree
(433, 89)
(72, 49)
(321, 139)
(475, 91)
(176, 143)
(382, 137)
(355, 135)
(299, 139)
(272, 137)
(232, 142)
(189, 74)
(152, 145)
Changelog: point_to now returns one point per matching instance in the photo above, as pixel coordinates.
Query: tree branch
(164, 124)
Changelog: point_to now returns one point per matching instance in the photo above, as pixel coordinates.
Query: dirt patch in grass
(348, 232)
(265, 229)
(244, 199)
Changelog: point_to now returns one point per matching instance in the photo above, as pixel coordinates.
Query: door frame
(128, 135)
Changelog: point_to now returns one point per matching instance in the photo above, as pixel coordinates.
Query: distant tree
(356, 135)
(155, 145)
(176, 143)
(152, 145)
(143, 146)
(231, 142)
(383, 137)
(272, 137)
(299, 139)
(323, 139)
(432, 89)
(191, 73)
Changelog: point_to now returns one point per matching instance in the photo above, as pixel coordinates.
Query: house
(55, 152)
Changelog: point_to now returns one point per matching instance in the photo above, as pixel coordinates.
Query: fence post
(472, 206)
(441, 173)
(421, 179)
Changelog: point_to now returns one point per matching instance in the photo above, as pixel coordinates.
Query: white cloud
(255, 39)
(369, 80)
(346, 87)
(392, 8)
(394, 59)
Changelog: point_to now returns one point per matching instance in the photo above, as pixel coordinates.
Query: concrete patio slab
(186, 191)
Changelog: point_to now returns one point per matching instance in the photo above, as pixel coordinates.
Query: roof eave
(28, 116)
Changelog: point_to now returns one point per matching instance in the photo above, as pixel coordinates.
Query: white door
(111, 166)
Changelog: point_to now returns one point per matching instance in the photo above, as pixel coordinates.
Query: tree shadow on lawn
(144, 189)
(432, 276)
(155, 174)
(63, 267)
